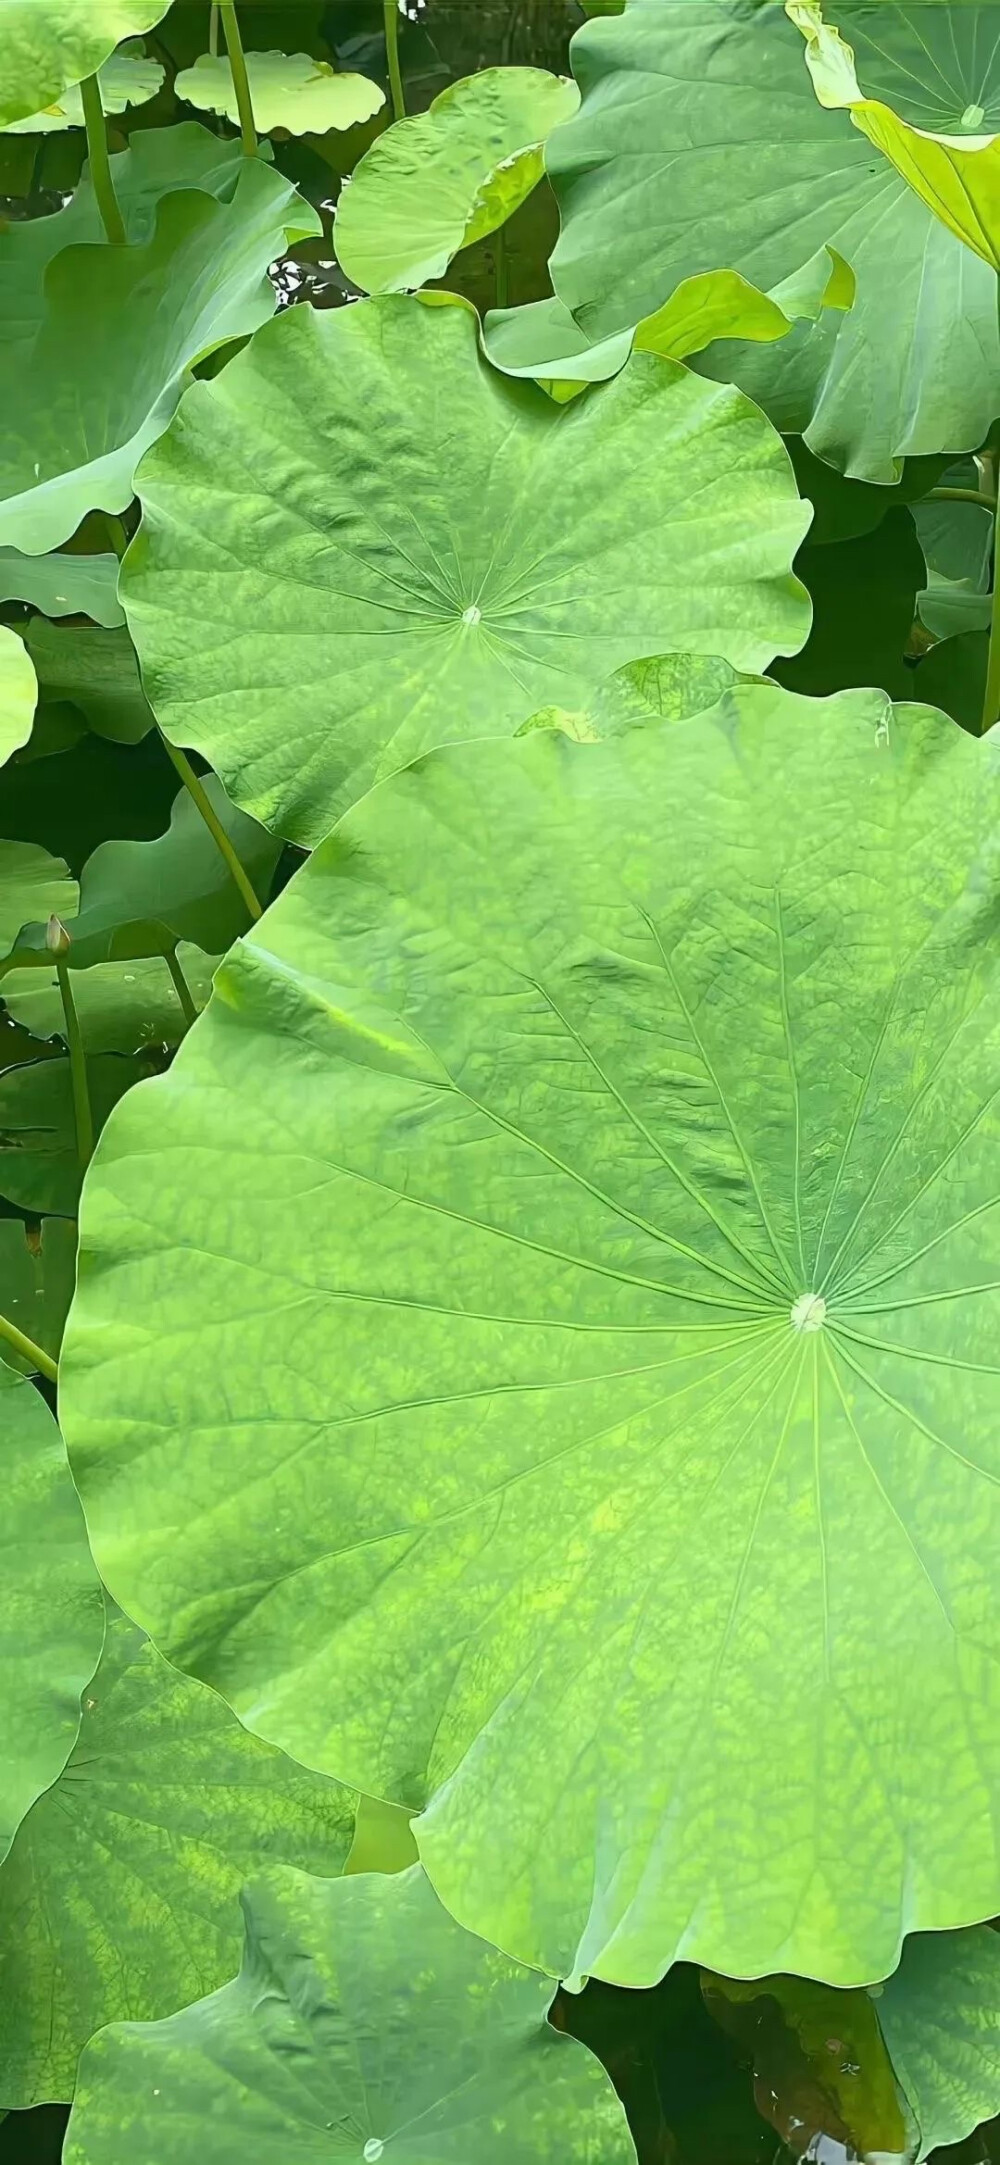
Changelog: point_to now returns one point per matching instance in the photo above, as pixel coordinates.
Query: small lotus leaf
(431, 550)
(363, 2021)
(287, 90)
(119, 1897)
(52, 1613)
(440, 180)
(18, 693)
(126, 79)
(47, 44)
(63, 585)
(940, 2016)
(667, 689)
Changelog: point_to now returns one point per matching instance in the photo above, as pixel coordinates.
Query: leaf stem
(82, 1114)
(391, 12)
(201, 798)
(960, 496)
(28, 1350)
(241, 81)
(100, 163)
(181, 986)
(500, 267)
(213, 28)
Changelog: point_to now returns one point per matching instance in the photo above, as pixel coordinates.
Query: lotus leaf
(940, 2016)
(63, 585)
(440, 180)
(668, 689)
(94, 356)
(119, 1898)
(936, 64)
(957, 542)
(52, 1618)
(122, 1006)
(97, 672)
(700, 142)
(126, 79)
(431, 550)
(47, 44)
(31, 884)
(40, 1169)
(383, 1839)
(573, 1227)
(18, 693)
(363, 2021)
(289, 90)
(36, 1284)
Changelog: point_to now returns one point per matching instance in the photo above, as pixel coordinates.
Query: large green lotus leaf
(119, 1899)
(439, 180)
(864, 596)
(126, 79)
(96, 671)
(940, 2016)
(37, 1271)
(63, 585)
(287, 90)
(32, 885)
(667, 689)
(51, 1613)
(18, 693)
(700, 142)
(432, 551)
(122, 1006)
(95, 362)
(39, 1162)
(141, 898)
(47, 44)
(937, 64)
(363, 2022)
(449, 1380)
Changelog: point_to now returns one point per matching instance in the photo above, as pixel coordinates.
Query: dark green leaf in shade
(957, 541)
(363, 2023)
(843, 509)
(96, 671)
(820, 2065)
(123, 1006)
(39, 1162)
(63, 585)
(940, 2016)
(953, 677)
(864, 597)
(37, 1270)
(119, 1899)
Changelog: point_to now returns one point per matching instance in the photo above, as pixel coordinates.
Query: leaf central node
(808, 1312)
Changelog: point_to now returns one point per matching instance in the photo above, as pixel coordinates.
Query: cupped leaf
(18, 693)
(119, 1899)
(37, 1270)
(438, 181)
(431, 551)
(32, 884)
(96, 356)
(63, 585)
(97, 672)
(609, 1135)
(363, 2022)
(40, 1166)
(47, 44)
(940, 2016)
(122, 1006)
(288, 90)
(51, 1613)
(700, 142)
(126, 79)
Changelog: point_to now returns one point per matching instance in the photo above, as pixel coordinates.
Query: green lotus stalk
(962, 496)
(28, 1350)
(181, 986)
(215, 827)
(100, 163)
(241, 81)
(57, 941)
(213, 28)
(392, 56)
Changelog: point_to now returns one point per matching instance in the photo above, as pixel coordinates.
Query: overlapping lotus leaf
(536, 1350)
(429, 550)
(99, 340)
(669, 688)
(51, 1610)
(363, 2022)
(119, 1899)
(32, 885)
(940, 2016)
(121, 1006)
(47, 44)
(126, 79)
(936, 64)
(18, 693)
(287, 90)
(40, 1168)
(439, 180)
(700, 142)
(63, 585)
(96, 671)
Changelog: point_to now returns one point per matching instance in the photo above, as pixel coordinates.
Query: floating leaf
(63, 585)
(940, 2016)
(97, 672)
(122, 1006)
(52, 1616)
(700, 142)
(18, 693)
(97, 355)
(430, 550)
(119, 1899)
(288, 90)
(438, 181)
(32, 884)
(362, 2021)
(37, 1271)
(47, 44)
(126, 79)
(614, 1129)
(39, 1163)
